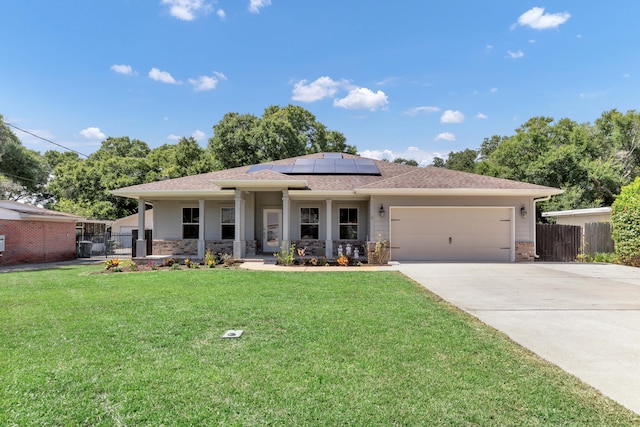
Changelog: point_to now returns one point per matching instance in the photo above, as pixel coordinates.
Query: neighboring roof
(579, 212)
(22, 211)
(393, 179)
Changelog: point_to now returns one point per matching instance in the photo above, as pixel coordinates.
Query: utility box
(84, 249)
(1, 242)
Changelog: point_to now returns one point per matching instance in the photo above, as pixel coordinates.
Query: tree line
(591, 162)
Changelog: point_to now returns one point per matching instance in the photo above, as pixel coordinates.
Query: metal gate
(556, 242)
(108, 244)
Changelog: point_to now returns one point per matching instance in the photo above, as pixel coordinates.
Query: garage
(452, 233)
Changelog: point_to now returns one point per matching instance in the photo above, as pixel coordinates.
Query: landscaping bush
(625, 219)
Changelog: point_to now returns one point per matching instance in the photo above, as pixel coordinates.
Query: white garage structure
(452, 233)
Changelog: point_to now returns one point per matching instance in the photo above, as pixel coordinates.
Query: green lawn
(351, 348)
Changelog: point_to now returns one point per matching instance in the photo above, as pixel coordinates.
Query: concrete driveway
(584, 318)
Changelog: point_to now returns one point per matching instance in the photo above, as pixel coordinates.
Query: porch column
(285, 218)
(237, 240)
(201, 229)
(141, 243)
(329, 237)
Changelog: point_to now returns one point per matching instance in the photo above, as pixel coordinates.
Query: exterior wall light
(523, 211)
(381, 211)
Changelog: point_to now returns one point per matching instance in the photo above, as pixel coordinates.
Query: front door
(272, 234)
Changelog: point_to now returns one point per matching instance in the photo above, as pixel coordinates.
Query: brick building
(32, 234)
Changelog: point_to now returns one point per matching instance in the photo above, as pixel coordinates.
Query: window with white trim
(309, 223)
(190, 223)
(228, 223)
(348, 223)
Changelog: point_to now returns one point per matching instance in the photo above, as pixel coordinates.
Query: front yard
(349, 348)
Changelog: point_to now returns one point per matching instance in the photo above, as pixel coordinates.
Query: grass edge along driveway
(350, 348)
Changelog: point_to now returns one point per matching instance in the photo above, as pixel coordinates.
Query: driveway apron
(584, 318)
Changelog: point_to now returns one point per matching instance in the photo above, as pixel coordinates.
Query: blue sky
(411, 79)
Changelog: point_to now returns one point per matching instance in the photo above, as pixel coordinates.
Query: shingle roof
(28, 210)
(392, 176)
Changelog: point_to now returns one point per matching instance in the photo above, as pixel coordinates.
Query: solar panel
(256, 168)
(335, 165)
(303, 168)
(346, 166)
(282, 168)
(327, 166)
(366, 167)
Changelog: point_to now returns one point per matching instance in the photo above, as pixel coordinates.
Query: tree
(562, 154)
(23, 172)
(438, 162)
(240, 140)
(464, 161)
(177, 160)
(83, 186)
(402, 161)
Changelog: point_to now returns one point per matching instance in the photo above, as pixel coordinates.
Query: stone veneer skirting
(525, 252)
(190, 247)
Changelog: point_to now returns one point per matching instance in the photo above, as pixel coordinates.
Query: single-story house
(32, 234)
(127, 224)
(580, 216)
(325, 201)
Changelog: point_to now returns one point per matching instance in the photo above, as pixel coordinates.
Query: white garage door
(451, 234)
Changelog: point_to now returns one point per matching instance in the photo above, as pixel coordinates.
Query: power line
(45, 139)
(19, 177)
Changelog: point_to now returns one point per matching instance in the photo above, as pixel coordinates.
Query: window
(309, 221)
(228, 223)
(190, 223)
(348, 224)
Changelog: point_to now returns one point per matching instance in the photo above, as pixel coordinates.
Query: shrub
(168, 262)
(132, 265)
(287, 255)
(209, 259)
(625, 219)
(112, 263)
(343, 260)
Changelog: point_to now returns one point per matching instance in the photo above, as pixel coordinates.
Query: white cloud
(451, 116)
(123, 69)
(493, 90)
(481, 116)
(538, 20)
(186, 10)
(514, 55)
(161, 76)
(323, 87)
(221, 14)
(421, 110)
(489, 47)
(203, 83)
(198, 135)
(362, 98)
(256, 5)
(174, 137)
(445, 136)
(411, 153)
(92, 133)
(386, 81)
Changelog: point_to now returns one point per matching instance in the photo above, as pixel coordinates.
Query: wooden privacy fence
(559, 243)
(597, 238)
